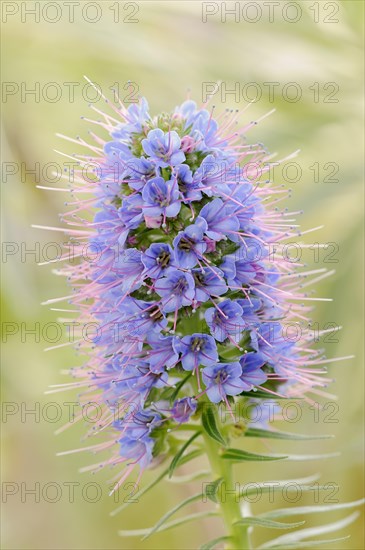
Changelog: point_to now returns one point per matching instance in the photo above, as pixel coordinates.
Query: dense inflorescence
(183, 279)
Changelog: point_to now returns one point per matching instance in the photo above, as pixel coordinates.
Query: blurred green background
(166, 51)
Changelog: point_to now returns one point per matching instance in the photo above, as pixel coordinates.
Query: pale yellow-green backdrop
(167, 50)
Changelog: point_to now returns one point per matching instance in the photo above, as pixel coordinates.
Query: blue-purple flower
(181, 279)
(268, 338)
(138, 318)
(157, 259)
(187, 186)
(226, 321)
(161, 199)
(141, 378)
(136, 116)
(163, 148)
(128, 268)
(176, 290)
(138, 451)
(252, 373)
(197, 349)
(239, 270)
(208, 282)
(210, 176)
(139, 423)
(183, 409)
(190, 245)
(223, 379)
(138, 170)
(220, 223)
(163, 354)
(131, 211)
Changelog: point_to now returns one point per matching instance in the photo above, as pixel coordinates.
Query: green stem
(228, 502)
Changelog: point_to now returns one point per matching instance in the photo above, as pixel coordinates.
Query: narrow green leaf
(283, 482)
(179, 385)
(190, 456)
(302, 534)
(308, 544)
(189, 477)
(237, 455)
(210, 425)
(210, 545)
(170, 513)
(302, 510)
(186, 428)
(299, 458)
(268, 434)
(140, 493)
(167, 526)
(270, 486)
(177, 457)
(275, 488)
(184, 459)
(262, 522)
(211, 489)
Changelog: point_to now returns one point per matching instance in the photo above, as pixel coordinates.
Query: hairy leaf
(294, 488)
(167, 526)
(303, 534)
(308, 544)
(270, 524)
(190, 456)
(299, 458)
(210, 545)
(302, 510)
(178, 456)
(184, 459)
(179, 385)
(237, 455)
(140, 493)
(268, 434)
(212, 488)
(210, 426)
(171, 512)
(189, 477)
